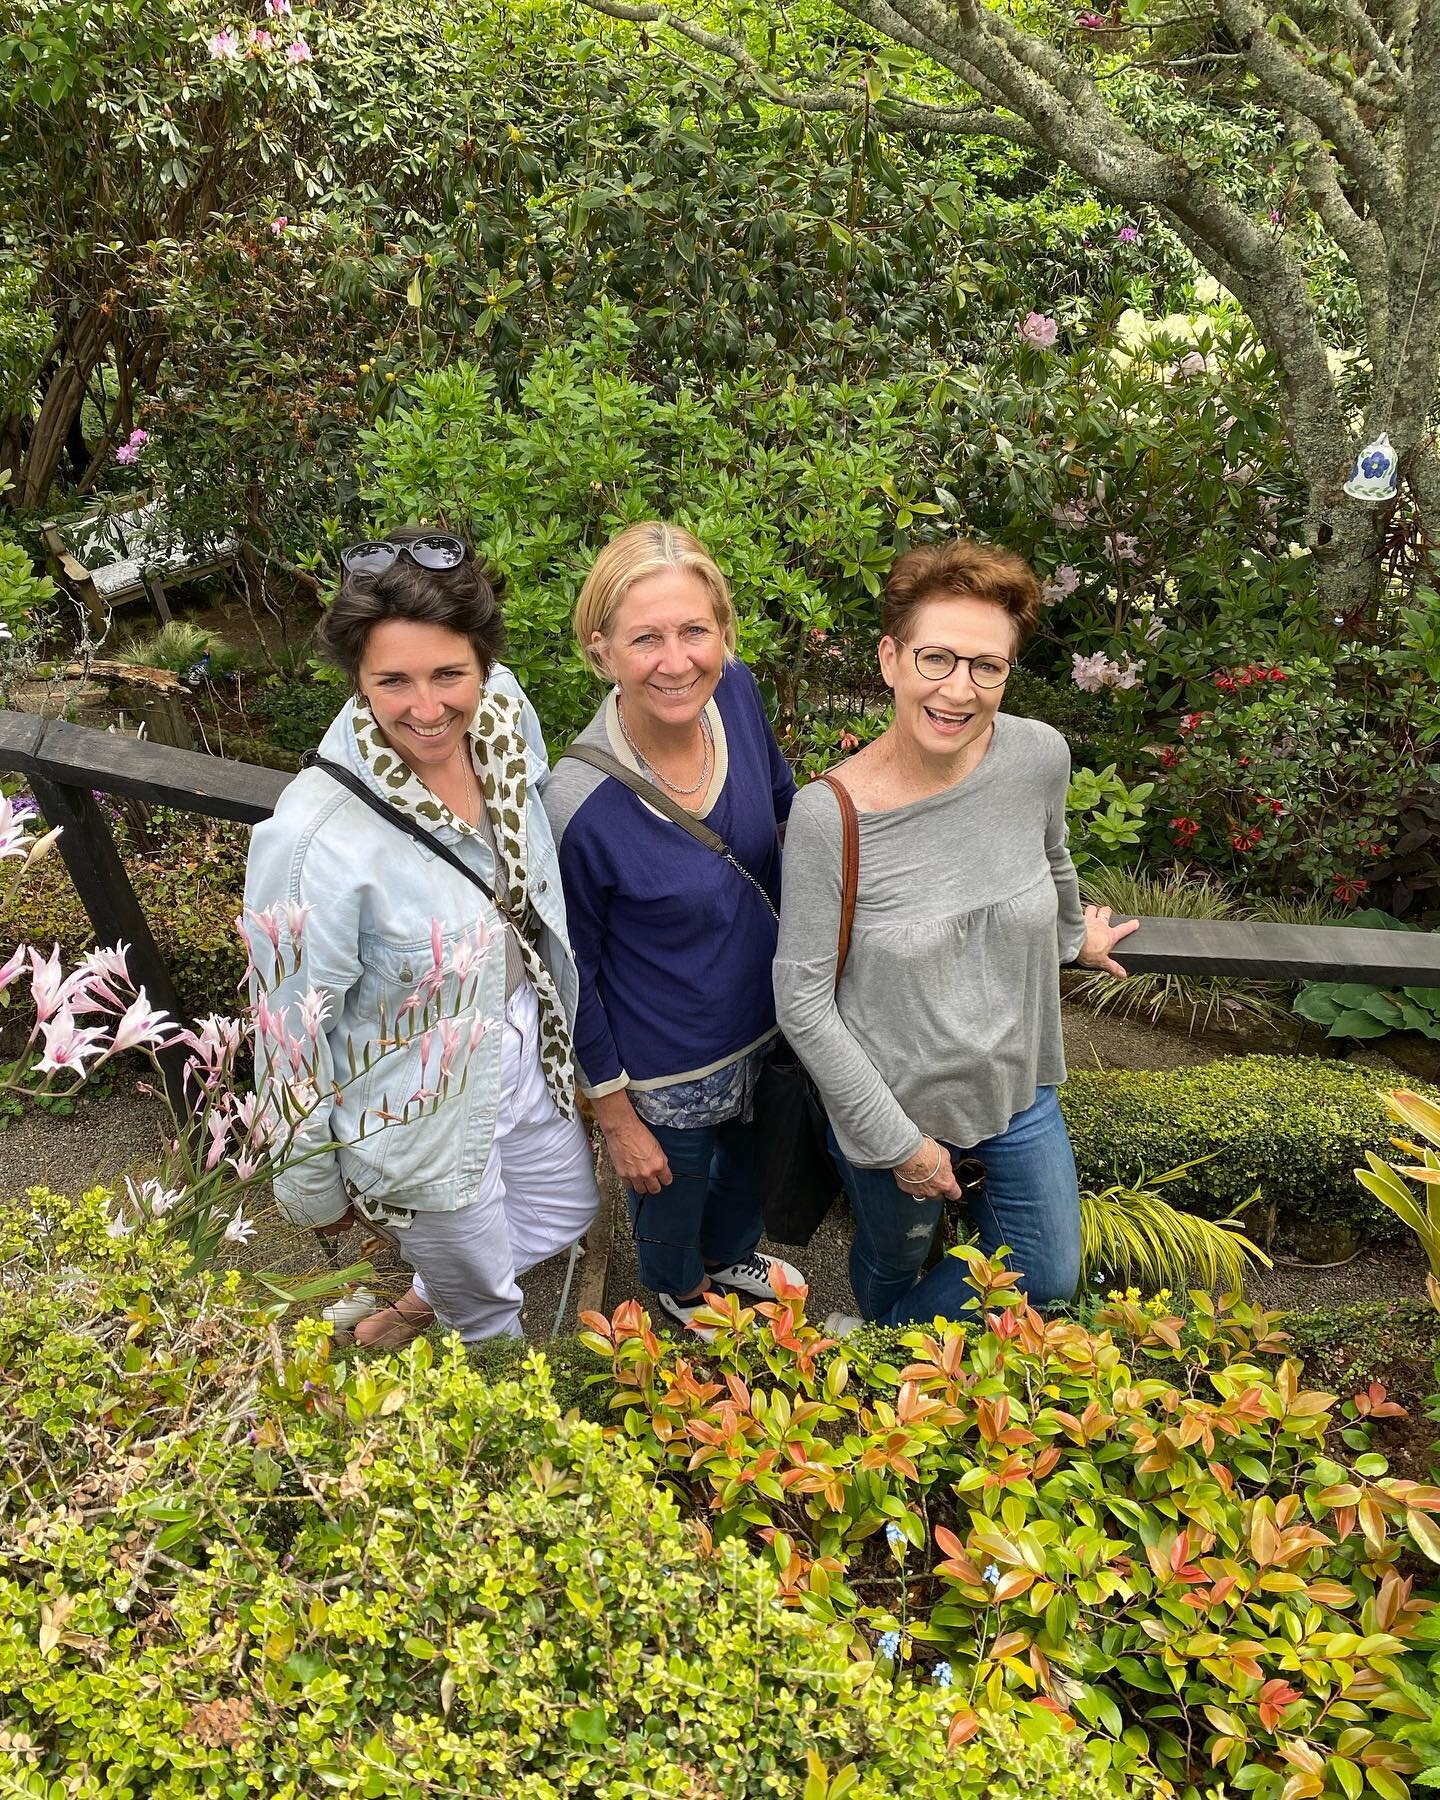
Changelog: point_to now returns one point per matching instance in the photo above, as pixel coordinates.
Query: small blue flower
(990, 1574)
(895, 1538)
(941, 1674)
(889, 1645)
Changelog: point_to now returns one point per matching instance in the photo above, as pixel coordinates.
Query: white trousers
(537, 1196)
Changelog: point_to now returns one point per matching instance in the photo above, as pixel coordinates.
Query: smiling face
(946, 718)
(422, 683)
(665, 648)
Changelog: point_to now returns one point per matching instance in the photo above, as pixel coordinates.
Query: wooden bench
(112, 557)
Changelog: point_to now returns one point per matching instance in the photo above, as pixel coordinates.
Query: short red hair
(961, 570)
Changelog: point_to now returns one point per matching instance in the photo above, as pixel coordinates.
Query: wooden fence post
(89, 853)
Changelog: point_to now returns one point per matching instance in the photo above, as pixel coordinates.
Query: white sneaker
(683, 1312)
(752, 1276)
(841, 1325)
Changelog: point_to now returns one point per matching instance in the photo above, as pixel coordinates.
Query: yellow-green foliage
(1293, 1127)
(1133, 1234)
(1390, 1182)
(231, 1569)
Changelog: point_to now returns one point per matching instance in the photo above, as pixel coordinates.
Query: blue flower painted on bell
(1374, 477)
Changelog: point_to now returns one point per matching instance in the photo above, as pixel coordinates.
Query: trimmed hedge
(1294, 1127)
(229, 1567)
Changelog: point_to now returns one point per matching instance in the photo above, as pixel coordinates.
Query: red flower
(1185, 829)
(1246, 840)
(849, 741)
(1349, 888)
(1169, 756)
(1244, 761)
(1278, 675)
(1191, 720)
(1225, 683)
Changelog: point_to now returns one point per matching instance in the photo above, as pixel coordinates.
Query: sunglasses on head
(374, 555)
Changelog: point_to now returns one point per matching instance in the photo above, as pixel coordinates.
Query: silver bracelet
(909, 1181)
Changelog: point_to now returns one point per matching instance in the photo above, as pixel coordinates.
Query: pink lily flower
(140, 1024)
(67, 1046)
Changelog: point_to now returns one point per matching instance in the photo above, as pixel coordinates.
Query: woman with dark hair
(943, 1032)
(418, 836)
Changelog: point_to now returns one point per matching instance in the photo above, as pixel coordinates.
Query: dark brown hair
(961, 570)
(465, 599)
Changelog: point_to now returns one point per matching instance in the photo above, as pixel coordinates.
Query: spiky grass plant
(1199, 1000)
(177, 646)
(1135, 1236)
(1388, 1181)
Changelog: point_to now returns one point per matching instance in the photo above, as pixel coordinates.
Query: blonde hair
(641, 550)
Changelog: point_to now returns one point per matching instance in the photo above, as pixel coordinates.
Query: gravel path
(118, 1133)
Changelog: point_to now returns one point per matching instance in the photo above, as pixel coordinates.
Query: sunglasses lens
(368, 558)
(437, 552)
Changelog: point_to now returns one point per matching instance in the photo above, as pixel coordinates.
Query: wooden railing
(66, 765)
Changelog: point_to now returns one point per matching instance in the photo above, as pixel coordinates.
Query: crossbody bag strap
(667, 808)
(349, 779)
(849, 866)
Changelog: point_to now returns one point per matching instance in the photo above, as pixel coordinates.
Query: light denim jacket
(366, 944)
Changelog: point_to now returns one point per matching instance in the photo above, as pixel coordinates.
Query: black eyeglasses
(936, 663)
(374, 555)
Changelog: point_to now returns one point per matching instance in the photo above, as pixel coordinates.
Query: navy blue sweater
(673, 947)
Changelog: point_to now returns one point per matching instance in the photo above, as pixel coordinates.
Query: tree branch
(1359, 239)
(1364, 26)
(1300, 89)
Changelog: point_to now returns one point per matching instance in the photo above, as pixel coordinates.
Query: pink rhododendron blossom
(1088, 672)
(1127, 234)
(259, 41)
(1192, 363)
(298, 52)
(224, 46)
(1039, 330)
(139, 437)
(1123, 547)
(127, 453)
(1091, 21)
(1092, 673)
(1064, 581)
(1072, 514)
(278, 9)
(277, 226)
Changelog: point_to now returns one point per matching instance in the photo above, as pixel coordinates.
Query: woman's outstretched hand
(634, 1150)
(1101, 937)
(927, 1175)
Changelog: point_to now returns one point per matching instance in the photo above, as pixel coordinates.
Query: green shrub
(190, 885)
(393, 1578)
(299, 709)
(1296, 1128)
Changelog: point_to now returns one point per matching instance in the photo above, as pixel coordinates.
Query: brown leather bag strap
(849, 867)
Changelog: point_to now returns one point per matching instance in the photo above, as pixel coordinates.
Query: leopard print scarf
(499, 747)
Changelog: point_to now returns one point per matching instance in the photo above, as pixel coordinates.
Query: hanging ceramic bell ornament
(1374, 477)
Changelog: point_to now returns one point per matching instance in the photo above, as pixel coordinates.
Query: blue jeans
(709, 1214)
(1031, 1202)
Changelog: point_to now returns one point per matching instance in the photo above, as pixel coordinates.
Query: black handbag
(796, 1177)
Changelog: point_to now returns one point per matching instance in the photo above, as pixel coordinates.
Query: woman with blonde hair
(667, 812)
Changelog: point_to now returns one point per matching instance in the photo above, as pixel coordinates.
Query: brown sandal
(395, 1326)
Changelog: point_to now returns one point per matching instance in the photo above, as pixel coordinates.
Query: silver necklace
(706, 761)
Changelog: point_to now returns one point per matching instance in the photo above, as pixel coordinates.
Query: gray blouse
(947, 1018)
